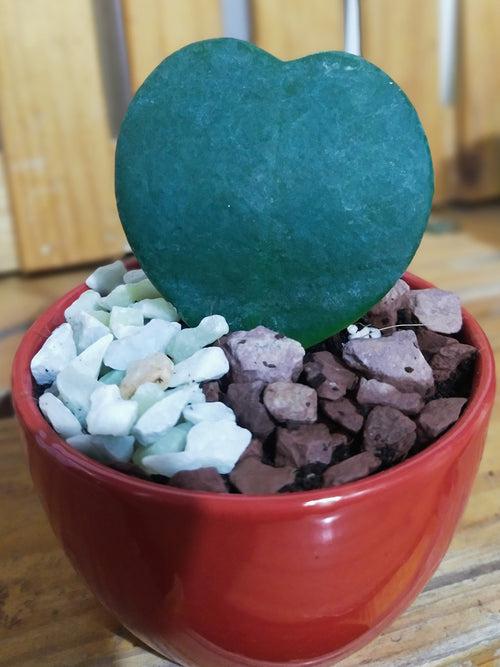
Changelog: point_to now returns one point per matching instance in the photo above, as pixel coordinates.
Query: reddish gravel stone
(439, 310)
(389, 434)
(328, 376)
(310, 443)
(356, 467)
(290, 401)
(202, 479)
(262, 354)
(445, 363)
(254, 449)
(254, 477)
(344, 413)
(395, 359)
(212, 391)
(244, 399)
(385, 312)
(430, 342)
(439, 415)
(373, 392)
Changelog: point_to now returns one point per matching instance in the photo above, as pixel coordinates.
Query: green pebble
(112, 377)
(174, 440)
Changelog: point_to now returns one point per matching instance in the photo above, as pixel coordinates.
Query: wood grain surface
(48, 618)
(56, 141)
(403, 39)
(304, 27)
(155, 28)
(478, 104)
(8, 250)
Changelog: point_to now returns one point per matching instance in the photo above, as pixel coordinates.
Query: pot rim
(32, 420)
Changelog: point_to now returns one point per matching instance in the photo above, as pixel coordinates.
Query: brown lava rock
(212, 391)
(430, 342)
(449, 364)
(395, 359)
(262, 354)
(309, 443)
(343, 413)
(389, 434)
(328, 376)
(244, 399)
(356, 467)
(290, 401)
(439, 415)
(373, 392)
(440, 311)
(202, 479)
(254, 449)
(385, 312)
(252, 476)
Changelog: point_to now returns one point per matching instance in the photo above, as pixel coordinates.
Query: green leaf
(289, 194)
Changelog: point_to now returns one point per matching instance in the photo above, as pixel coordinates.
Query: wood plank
(479, 101)
(58, 150)
(156, 28)
(298, 27)
(8, 250)
(402, 38)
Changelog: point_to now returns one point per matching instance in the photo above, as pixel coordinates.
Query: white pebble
(106, 278)
(171, 463)
(104, 448)
(147, 395)
(87, 329)
(134, 276)
(209, 363)
(75, 389)
(101, 315)
(109, 414)
(151, 338)
(89, 361)
(156, 368)
(144, 289)
(87, 301)
(157, 309)
(364, 332)
(52, 389)
(78, 379)
(125, 321)
(118, 297)
(189, 341)
(213, 411)
(62, 419)
(156, 421)
(57, 351)
(222, 440)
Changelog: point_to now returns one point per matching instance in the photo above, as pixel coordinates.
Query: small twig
(397, 326)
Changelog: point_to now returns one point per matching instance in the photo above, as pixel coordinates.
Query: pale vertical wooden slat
(402, 38)
(295, 28)
(156, 28)
(8, 250)
(479, 100)
(58, 149)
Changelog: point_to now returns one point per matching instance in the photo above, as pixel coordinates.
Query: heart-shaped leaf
(289, 194)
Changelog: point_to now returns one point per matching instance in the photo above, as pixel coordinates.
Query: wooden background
(60, 94)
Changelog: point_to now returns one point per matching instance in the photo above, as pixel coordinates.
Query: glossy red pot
(226, 580)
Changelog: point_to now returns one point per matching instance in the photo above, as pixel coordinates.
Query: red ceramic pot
(226, 580)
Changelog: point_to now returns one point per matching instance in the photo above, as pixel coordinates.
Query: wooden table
(48, 618)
